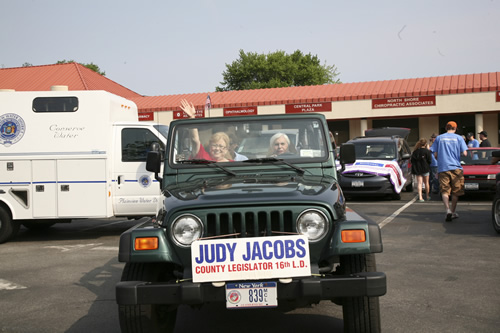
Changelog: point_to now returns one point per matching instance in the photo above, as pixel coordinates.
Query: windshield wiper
(274, 160)
(203, 161)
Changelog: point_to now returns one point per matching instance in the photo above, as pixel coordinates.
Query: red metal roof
(73, 75)
(439, 85)
(78, 77)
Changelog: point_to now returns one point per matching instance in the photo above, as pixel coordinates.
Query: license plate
(244, 295)
(471, 186)
(357, 183)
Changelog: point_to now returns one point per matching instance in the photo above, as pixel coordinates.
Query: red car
(479, 173)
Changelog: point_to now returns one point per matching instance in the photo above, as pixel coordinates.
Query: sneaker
(454, 215)
(448, 216)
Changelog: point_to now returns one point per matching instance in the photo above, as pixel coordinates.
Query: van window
(55, 104)
(136, 142)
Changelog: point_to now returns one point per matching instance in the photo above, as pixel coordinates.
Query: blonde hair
(216, 137)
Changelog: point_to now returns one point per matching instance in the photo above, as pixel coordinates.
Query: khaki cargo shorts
(452, 181)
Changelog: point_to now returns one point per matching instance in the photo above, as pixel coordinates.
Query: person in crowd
(218, 144)
(233, 145)
(483, 136)
(447, 149)
(433, 175)
(471, 142)
(280, 144)
(421, 166)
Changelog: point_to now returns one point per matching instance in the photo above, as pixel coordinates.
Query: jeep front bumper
(312, 289)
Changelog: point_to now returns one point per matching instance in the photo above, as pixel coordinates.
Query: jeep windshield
(258, 139)
(375, 150)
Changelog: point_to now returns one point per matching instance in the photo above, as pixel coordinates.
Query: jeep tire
(147, 318)
(361, 314)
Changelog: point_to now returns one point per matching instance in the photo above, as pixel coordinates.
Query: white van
(73, 154)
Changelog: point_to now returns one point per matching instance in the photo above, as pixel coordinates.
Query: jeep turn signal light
(146, 243)
(353, 236)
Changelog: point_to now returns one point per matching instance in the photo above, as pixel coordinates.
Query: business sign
(498, 96)
(403, 102)
(146, 116)
(250, 258)
(308, 107)
(182, 115)
(241, 111)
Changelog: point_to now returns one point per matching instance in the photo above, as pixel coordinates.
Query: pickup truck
(267, 231)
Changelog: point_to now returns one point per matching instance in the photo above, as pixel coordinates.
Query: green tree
(274, 70)
(27, 64)
(91, 66)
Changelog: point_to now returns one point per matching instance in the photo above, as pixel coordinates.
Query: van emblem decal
(145, 181)
(12, 128)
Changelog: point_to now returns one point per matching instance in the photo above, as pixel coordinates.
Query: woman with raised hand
(218, 145)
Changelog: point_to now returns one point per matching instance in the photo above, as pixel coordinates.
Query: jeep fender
(353, 221)
(164, 253)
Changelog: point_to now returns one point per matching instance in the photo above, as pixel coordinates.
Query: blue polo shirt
(473, 143)
(448, 146)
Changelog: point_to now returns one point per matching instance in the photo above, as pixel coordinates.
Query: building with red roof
(423, 104)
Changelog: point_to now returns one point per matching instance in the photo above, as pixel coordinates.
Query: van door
(135, 191)
(81, 187)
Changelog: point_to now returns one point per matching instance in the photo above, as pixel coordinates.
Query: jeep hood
(246, 189)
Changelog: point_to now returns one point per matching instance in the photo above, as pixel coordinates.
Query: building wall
(360, 113)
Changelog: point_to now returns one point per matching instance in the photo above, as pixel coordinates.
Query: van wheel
(361, 314)
(8, 227)
(151, 317)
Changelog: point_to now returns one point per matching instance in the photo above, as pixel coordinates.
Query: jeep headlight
(313, 224)
(186, 229)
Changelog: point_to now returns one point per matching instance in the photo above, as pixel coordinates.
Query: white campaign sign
(250, 258)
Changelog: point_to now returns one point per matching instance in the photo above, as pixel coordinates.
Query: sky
(167, 47)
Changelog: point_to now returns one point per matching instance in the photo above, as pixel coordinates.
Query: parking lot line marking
(396, 213)
(7, 285)
(106, 248)
(66, 248)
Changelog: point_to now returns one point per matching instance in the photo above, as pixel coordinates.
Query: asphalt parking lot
(442, 277)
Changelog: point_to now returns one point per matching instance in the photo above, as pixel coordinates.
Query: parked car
(495, 209)
(479, 173)
(382, 164)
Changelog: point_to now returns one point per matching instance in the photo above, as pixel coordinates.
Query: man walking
(483, 135)
(433, 179)
(447, 149)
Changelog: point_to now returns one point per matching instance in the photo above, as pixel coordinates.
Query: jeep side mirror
(153, 164)
(347, 154)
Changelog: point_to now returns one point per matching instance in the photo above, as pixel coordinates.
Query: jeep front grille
(247, 223)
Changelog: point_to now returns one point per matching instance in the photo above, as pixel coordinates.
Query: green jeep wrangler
(263, 227)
